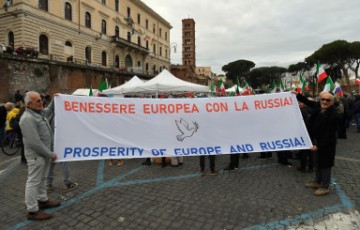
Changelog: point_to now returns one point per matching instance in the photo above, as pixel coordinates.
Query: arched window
(103, 27)
(44, 5)
(68, 11)
(88, 20)
(44, 44)
(139, 41)
(68, 49)
(128, 61)
(129, 36)
(117, 61)
(11, 40)
(88, 54)
(104, 58)
(117, 31)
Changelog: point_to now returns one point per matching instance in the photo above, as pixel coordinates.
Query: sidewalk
(260, 195)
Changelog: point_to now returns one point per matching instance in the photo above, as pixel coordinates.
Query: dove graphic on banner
(185, 129)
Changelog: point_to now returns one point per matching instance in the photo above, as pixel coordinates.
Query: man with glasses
(37, 139)
(323, 126)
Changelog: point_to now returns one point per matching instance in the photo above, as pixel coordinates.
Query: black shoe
(229, 168)
(146, 163)
(301, 169)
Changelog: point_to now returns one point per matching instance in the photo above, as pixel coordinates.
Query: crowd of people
(326, 119)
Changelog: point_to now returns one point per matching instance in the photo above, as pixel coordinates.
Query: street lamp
(174, 46)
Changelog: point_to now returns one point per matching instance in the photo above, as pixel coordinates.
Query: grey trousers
(176, 160)
(64, 170)
(35, 189)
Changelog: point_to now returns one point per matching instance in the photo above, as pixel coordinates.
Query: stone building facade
(124, 35)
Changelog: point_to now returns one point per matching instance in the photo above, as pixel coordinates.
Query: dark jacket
(323, 130)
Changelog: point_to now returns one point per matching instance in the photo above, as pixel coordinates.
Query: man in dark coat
(323, 126)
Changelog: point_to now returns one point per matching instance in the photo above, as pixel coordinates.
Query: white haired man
(37, 139)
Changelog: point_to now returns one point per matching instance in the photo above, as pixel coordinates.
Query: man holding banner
(37, 139)
(323, 129)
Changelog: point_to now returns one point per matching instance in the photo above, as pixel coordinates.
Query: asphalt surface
(262, 194)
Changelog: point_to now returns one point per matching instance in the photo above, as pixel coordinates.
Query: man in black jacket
(322, 129)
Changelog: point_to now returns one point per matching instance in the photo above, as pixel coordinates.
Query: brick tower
(188, 43)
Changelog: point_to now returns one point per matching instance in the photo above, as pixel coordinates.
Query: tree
(337, 53)
(259, 77)
(239, 68)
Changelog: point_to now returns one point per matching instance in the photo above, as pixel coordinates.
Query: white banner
(93, 128)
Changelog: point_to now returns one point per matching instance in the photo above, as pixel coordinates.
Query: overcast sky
(266, 32)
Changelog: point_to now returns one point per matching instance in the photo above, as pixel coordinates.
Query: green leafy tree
(262, 76)
(239, 68)
(337, 53)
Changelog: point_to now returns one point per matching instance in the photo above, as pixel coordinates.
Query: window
(147, 44)
(117, 31)
(103, 58)
(154, 69)
(154, 49)
(139, 40)
(128, 61)
(44, 5)
(160, 32)
(154, 28)
(117, 61)
(88, 20)
(117, 6)
(103, 27)
(128, 12)
(44, 44)
(187, 33)
(129, 36)
(68, 11)
(11, 40)
(166, 36)
(160, 51)
(139, 64)
(147, 24)
(88, 54)
(139, 19)
(166, 53)
(103, 2)
(147, 67)
(68, 49)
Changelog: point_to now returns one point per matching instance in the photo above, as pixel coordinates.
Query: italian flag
(301, 88)
(282, 87)
(321, 74)
(273, 87)
(329, 85)
(222, 87)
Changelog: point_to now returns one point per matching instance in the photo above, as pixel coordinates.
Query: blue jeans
(357, 120)
(64, 170)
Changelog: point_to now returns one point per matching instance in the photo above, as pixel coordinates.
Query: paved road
(260, 195)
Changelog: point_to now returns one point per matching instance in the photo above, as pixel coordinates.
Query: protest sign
(93, 128)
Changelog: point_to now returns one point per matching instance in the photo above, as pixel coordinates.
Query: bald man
(323, 126)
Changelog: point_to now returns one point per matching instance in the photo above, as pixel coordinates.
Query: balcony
(120, 42)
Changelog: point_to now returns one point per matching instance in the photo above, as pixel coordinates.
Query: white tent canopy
(122, 89)
(84, 92)
(233, 89)
(166, 82)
